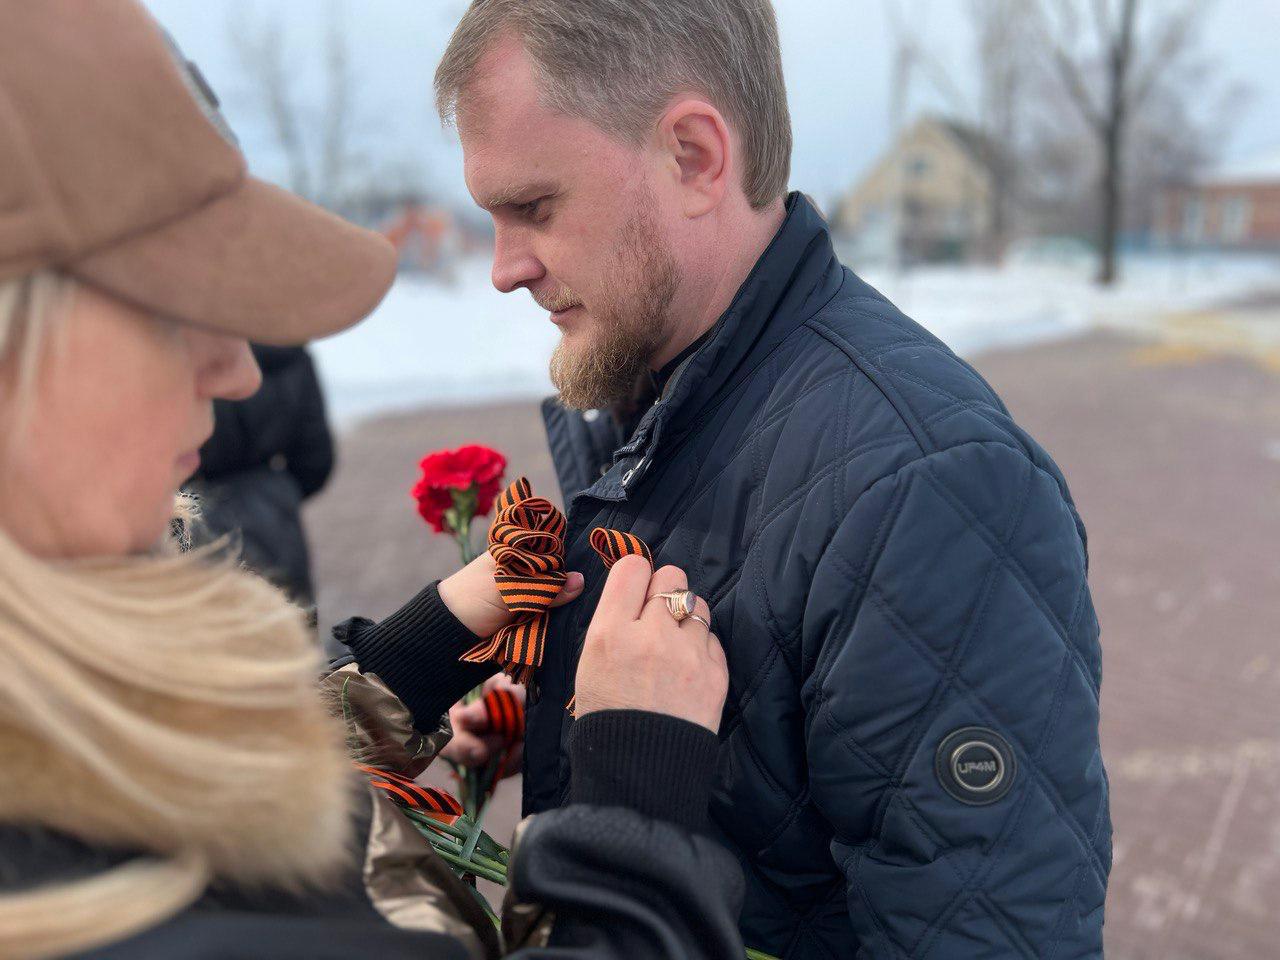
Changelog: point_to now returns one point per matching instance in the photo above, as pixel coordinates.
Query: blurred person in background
(171, 783)
(268, 454)
(910, 763)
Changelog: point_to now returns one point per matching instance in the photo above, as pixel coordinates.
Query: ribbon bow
(526, 541)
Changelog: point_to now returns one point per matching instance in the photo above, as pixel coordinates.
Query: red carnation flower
(457, 485)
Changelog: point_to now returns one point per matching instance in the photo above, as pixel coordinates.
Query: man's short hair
(617, 64)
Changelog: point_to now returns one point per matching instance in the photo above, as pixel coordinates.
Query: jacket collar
(797, 273)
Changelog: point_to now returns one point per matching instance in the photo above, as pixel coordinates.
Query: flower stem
(476, 859)
(471, 867)
(487, 851)
(463, 538)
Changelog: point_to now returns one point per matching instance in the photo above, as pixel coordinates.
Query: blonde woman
(171, 784)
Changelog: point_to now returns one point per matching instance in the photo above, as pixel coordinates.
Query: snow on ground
(440, 343)
(976, 308)
(432, 342)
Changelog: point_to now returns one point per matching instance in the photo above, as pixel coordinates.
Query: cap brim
(258, 262)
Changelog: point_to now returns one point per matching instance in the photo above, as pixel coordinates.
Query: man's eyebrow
(515, 195)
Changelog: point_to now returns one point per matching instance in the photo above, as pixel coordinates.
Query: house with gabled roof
(928, 198)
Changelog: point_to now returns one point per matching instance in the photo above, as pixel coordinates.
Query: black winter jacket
(268, 454)
(909, 764)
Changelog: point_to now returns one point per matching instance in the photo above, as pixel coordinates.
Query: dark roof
(977, 144)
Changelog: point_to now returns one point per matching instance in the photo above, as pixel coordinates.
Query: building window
(1236, 214)
(959, 220)
(1193, 220)
(917, 166)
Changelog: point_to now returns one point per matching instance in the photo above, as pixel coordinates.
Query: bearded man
(909, 764)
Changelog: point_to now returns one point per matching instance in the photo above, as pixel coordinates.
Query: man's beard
(629, 330)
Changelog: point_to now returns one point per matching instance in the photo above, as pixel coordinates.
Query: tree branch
(261, 56)
(1168, 47)
(1067, 70)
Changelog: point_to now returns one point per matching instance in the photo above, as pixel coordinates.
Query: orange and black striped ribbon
(404, 792)
(612, 546)
(526, 541)
(505, 715)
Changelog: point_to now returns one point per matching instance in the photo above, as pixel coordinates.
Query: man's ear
(700, 151)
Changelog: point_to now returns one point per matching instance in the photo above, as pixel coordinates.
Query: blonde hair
(162, 703)
(29, 307)
(617, 63)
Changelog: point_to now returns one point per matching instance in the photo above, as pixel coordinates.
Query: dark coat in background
(266, 456)
(909, 761)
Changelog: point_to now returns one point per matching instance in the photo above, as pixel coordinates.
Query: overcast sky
(836, 56)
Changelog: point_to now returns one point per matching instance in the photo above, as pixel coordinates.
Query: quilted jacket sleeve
(953, 597)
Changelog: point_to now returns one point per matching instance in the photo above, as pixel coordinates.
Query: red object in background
(449, 472)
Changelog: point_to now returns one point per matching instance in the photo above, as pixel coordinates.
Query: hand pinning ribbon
(612, 546)
(526, 541)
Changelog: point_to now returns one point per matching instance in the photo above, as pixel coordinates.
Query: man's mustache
(555, 301)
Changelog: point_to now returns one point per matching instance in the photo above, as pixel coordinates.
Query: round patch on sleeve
(975, 765)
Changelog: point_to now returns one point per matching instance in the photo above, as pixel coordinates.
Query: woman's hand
(474, 744)
(472, 596)
(636, 657)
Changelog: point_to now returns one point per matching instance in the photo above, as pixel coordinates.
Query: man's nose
(514, 264)
(228, 370)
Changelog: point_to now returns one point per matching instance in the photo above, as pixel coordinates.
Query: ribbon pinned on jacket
(612, 546)
(526, 541)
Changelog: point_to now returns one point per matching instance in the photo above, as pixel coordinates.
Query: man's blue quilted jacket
(889, 559)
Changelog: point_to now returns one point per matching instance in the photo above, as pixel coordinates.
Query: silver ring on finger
(701, 620)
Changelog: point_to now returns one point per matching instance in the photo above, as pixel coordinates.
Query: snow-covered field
(437, 343)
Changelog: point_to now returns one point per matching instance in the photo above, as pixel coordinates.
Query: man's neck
(741, 249)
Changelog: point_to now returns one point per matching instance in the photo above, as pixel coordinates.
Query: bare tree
(1110, 78)
(335, 148)
(260, 52)
(1000, 40)
(317, 150)
(906, 53)
(994, 113)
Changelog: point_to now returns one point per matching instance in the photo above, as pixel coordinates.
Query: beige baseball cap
(117, 168)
